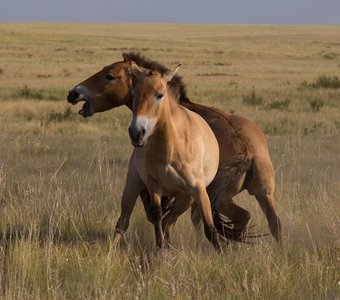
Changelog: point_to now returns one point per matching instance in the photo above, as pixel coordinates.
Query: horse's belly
(210, 154)
(211, 159)
(210, 169)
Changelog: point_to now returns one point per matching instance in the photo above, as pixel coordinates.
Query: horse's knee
(261, 182)
(156, 213)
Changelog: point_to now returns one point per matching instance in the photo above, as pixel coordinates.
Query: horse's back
(235, 134)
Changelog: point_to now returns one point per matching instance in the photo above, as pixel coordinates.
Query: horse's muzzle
(78, 94)
(137, 136)
(74, 96)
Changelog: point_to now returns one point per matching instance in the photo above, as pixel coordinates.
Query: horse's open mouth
(86, 110)
(80, 94)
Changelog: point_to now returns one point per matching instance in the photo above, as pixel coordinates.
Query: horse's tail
(228, 174)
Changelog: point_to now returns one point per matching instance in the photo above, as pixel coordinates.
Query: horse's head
(104, 90)
(149, 94)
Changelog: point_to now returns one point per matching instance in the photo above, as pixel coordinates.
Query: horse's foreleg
(144, 195)
(166, 204)
(181, 204)
(195, 215)
(202, 199)
(156, 212)
(133, 187)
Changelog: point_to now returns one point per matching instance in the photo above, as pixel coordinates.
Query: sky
(305, 12)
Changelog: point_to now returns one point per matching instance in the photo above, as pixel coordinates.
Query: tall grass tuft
(252, 98)
(316, 104)
(26, 92)
(279, 104)
(67, 114)
(323, 81)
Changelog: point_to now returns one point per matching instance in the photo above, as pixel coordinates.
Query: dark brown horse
(243, 147)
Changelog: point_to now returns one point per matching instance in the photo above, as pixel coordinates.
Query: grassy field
(62, 176)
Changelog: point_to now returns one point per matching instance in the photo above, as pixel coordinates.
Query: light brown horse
(243, 148)
(176, 154)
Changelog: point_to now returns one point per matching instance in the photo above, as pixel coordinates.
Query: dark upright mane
(176, 85)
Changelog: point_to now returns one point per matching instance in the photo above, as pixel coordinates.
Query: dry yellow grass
(61, 176)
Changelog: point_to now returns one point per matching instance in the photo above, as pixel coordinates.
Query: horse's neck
(166, 129)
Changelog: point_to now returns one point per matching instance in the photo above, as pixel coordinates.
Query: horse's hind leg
(262, 186)
(266, 202)
(238, 216)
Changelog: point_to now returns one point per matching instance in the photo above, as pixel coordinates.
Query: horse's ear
(170, 74)
(136, 71)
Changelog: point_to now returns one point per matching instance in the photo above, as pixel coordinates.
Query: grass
(253, 99)
(38, 94)
(316, 104)
(324, 81)
(280, 104)
(62, 176)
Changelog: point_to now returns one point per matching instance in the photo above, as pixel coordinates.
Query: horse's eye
(159, 96)
(110, 77)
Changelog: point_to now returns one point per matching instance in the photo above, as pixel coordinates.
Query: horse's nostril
(136, 135)
(73, 96)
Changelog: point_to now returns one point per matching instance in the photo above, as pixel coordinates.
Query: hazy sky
(173, 11)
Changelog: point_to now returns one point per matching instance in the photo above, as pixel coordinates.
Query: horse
(243, 148)
(176, 154)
